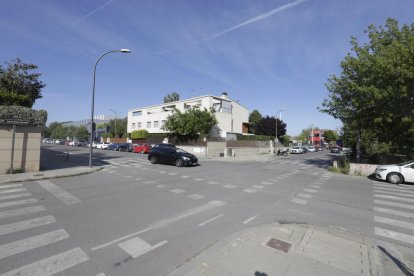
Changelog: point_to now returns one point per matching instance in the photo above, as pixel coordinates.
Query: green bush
(22, 115)
(139, 134)
(254, 137)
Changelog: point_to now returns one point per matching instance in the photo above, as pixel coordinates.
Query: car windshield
(181, 150)
(405, 163)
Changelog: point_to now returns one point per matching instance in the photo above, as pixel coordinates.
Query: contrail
(92, 12)
(257, 18)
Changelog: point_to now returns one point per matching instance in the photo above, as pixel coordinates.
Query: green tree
(267, 126)
(330, 136)
(254, 119)
(81, 133)
(19, 85)
(374, 94)
(172, 97)
(306, 134)
(192, 122)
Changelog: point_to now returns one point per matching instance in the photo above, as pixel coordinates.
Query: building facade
(231, 116)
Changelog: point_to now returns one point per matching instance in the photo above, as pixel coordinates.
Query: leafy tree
(374, 94)
(81, 133)
(285, 139)
(306, 133)
(254, 119)
(139, 134)
(192, 122)
(172, 97)
(330, 136)
(267, 126)
(19, 85)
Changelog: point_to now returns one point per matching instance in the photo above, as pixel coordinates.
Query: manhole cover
(279, 245)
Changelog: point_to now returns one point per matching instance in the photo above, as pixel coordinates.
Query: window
(148, 124)
(133, 126)
(163, 123)
(139, 126)
(155, 124)
(136, 113)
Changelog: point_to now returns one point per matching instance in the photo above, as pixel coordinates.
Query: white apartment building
(231, 116)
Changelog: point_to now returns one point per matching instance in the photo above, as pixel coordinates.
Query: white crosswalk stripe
(26, 224)
(22, 211)
(12, 191)
(394, 212)
(10, 186)
(393, 193)
(19, 202)
(399, 223)
(395, 198)
(15, 196)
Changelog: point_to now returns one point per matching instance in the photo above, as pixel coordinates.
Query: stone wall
(362, 169)
(26, 148)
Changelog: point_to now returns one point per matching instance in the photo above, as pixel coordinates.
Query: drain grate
(279, 245)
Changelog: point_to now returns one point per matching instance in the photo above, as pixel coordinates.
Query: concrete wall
(362, 169)
(214, 149)
(26, 148)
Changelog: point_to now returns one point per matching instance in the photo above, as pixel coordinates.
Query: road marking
(191, 212)
(61, 194)
(2, 192)
(212, 182)
(20, 246)
(251, 218)
(304, 195)
(310, 190)
(394, 204)
(258, 186)
(51, 265)
(210, 220)
(185, 176)
(161, 186)
(198, 179)
(393, 193)
(394, 235)
(18, 202)
(394, 212)
(248, 190)
(177, 191)
(162, 223)
(162, 172)
(229, 186)
(395, 189)
(26, 224)
(195, 196)
(394, 222)
(15, 196)
(299, 201)
(10, 186)
(395, 198)
(314, 186)
(149, 182)
(136, 247)
(266, 183)
(172, 174)
(22, 211)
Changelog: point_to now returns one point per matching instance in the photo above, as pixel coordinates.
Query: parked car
(397, 173)
(59, 141)
(142, 148)
(334, 150)
(296, 150)
(80, 143)
(311, 148)
(125, 147)
(304, 149)
(172, 155)
(113, 146)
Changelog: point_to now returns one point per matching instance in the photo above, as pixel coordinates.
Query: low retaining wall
(362, 169)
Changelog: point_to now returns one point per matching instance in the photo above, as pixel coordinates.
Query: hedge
(22, 115)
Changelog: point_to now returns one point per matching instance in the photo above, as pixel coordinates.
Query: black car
(173, 156)
(125, 147)
(164, 145)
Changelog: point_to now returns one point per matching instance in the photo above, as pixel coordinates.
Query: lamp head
(126, 51)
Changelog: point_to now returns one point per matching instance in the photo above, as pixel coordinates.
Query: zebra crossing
(14, 212)
(394, 212)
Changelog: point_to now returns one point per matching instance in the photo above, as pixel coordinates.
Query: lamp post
(115, 119)
(93, 100)
(277, 114)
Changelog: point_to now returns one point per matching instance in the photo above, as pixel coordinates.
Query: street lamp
(277, 113)
(93, 100)
(115, 119)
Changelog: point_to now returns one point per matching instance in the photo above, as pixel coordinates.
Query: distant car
(296, 150)
(59, 141)
(125, 147)
(113, 146)
(334, 150)
(172, 156)
(397, 173)
(142, 148)
(311, 148)
(305, 149)
(80, 143)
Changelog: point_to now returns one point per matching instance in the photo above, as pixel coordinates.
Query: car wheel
(153, 160)
(395, 178)
(179, 163)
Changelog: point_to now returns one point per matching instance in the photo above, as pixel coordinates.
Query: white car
(311, 148)
(297, 150)
(396, 174)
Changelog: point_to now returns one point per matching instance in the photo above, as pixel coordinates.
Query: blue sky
(267, 54)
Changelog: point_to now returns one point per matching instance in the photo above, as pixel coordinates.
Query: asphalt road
(135, 218)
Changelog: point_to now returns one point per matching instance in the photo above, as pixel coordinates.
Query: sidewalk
(291, 250)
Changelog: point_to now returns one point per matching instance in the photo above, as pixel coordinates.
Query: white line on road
(394, 204)
(394, 212)
(299, 201)
(394, 235)
(210, 220)
(395, 198)
(61, 194)
(18, 202)
(12, 191)
(22, 211)
(136, 247)
(120, 239)
(252, 218)
(314, 186)
(248, 190)
(304, 195)
(10, 186)
(395, 222)
(195, 196)
(51, 265)
(394, 188)
(310, 190)
(177, 191)
(393, 193)
(15, 196)
(229, 186)
(20, 246)
(26, 224)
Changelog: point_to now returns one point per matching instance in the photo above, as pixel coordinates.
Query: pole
(115, 119)
(12, 149)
